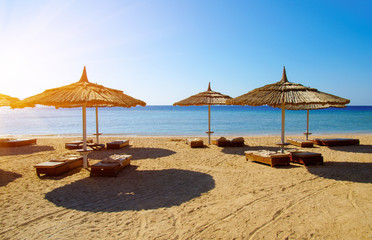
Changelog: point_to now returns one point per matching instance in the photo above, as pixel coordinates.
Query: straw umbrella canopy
(6, 100)
(82, 94)
(209, 98)
(287, 95)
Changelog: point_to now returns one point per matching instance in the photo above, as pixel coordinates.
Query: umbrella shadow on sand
(137, 153)
(132, 190)
(353, 148)
(7, 177)
(344, 171)
(11, 151)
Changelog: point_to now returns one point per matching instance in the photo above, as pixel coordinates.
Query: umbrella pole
(209, 125)
(283, 128)
(307, 125)
(85, 157)
(84, 128)
(97, 132)
(84, 151)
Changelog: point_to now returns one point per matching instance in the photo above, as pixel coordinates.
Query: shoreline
(176, 135)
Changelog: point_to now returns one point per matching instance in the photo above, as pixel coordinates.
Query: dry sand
(171, 191)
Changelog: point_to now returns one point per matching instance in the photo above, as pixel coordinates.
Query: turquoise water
(193, 120)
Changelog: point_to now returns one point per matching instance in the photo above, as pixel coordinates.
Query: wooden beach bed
(117, 144)
(195, 143)
(268, 157)
(110, 166)
(336, 141)
(76, 144)
(306, 158)
(301, 143)
(79, 145)
(59, 166)
(16, 142)
(234, 142)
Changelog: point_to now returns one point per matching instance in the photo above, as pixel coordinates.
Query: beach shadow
(353, 148)
(137, 153)
(7, 177)
(344, 171)
(132, 190)
(12, 151)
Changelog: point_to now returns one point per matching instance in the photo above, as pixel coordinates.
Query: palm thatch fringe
(6, 100)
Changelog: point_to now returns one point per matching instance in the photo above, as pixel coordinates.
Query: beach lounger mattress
(111, 166)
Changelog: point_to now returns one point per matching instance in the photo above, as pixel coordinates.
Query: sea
(183, 121)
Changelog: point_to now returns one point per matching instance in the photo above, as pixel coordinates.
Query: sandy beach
(171, 191)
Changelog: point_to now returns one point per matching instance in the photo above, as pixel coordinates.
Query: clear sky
(162, 51)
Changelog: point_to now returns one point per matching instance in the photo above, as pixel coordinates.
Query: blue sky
(164, 51)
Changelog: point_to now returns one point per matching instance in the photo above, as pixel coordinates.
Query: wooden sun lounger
(110, 166)
(17, 142)
(96, 146)
(336, 141)
(195, 143)
(268, 157)
(117, 144)
(58, 166)
(237, 142)
(79, 145)
(306, 158)
(76, 144)
(301, 143)
(221, 142)
(234, 142)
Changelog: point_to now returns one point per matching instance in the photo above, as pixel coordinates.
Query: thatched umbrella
(82, 94)
(209, 98)
(287, 95)
(6, 100)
